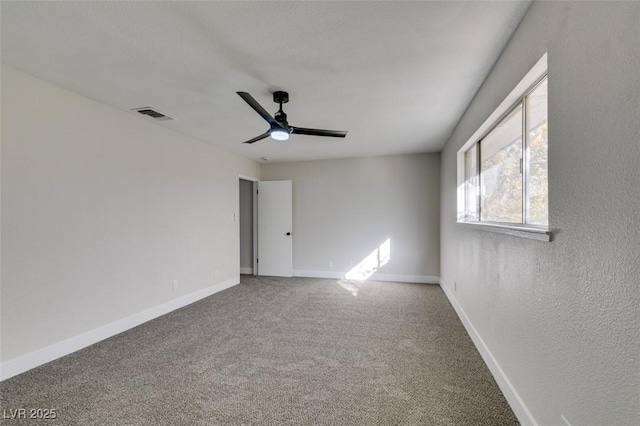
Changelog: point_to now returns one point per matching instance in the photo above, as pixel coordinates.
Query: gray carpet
(278, 351)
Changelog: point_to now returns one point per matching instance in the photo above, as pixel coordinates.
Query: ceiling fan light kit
(279, 135)
(279, 128)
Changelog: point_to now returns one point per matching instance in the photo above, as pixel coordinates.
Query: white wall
(345, 209)
(101, 212)
(561, 318)
(246, 224)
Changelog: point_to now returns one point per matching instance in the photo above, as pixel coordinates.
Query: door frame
(254, 251)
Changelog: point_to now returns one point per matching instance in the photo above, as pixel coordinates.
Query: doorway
(265, 227)
(248, 226)
(275, 236)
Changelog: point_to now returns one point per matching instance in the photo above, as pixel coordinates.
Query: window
(502, 169)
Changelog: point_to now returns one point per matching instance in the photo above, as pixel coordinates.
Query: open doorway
(272, 240)
(247, 224)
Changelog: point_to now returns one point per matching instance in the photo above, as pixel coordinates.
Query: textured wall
(345, 209)
(561, 318)
(101, 211)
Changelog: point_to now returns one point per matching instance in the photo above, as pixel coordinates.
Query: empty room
(320, 212)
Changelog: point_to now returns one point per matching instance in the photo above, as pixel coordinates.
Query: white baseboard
(517, 405)
(57, 350)
(375, 277)
(245, 270)
(318, 274)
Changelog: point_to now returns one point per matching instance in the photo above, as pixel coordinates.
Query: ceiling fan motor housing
(280, 98)
(281, 118)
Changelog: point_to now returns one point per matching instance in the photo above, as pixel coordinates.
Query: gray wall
(345, 209)
(101, 212)
(561, 318)
(246, 224)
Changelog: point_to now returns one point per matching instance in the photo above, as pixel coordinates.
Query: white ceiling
(396, 75)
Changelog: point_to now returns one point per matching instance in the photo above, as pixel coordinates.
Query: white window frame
(516, 97)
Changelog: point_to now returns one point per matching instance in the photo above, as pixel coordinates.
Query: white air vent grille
(148, 111)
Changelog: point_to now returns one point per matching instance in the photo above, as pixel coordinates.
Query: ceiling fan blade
(258, 108)
(259, 138)
(318, 132)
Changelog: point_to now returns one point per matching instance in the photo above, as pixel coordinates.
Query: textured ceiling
(396, 75)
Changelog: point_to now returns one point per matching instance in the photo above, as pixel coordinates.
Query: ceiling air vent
(153, 113)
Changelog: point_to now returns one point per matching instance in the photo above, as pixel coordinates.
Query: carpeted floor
(278, 351)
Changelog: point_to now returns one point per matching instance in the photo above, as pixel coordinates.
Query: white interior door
(275, 218)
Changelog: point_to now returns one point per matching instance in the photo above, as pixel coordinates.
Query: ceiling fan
(279, 127)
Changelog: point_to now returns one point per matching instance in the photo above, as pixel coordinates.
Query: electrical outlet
(331, 264)
(175, 285)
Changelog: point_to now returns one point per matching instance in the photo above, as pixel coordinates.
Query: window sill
(513, 230)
